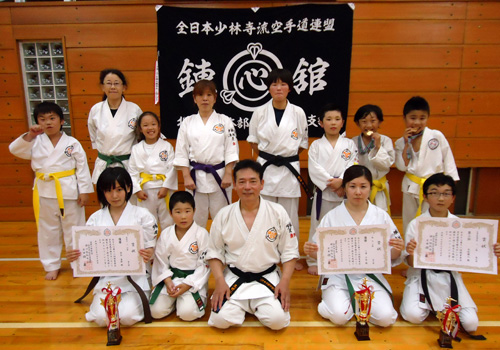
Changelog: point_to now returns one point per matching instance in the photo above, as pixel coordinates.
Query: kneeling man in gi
(247, 239)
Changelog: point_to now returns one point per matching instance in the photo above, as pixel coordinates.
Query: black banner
(237, 48)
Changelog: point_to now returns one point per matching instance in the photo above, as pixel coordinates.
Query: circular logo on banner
(271, 234)
(433, 144)
(69, 150)
(219, 128)
(244, 76)
(193, 248)
(163, 155)
(131, 123)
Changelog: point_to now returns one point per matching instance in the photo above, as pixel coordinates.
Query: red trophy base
(445, 340)
(114, 337)
(362, 331)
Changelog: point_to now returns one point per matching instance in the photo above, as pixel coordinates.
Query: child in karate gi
(62, 182)
(420, 153)
(180, 274)
(205, 153)
(329, 157)
(111, 123)
(151, 167)
(277, 135)
(357, 210)
(114, 189)
(439, 193)
(376, 152)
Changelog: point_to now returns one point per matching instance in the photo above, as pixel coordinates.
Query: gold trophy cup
(110, 303)
(450, 323)
(363, 298)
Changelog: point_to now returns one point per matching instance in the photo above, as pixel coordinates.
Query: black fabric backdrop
(237, 48)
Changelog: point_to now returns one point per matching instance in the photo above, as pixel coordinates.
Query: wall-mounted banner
(237, 48)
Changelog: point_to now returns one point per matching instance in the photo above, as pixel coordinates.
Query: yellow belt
(50, 177)
(378, 186)
(148, 177)
(420, 182)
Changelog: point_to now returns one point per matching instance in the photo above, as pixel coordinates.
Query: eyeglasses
(438, 194)
(110, 84)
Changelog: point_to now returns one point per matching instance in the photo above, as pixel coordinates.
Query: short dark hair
(333, 107)
(47, 107)
(248, 164)
(138, 134)
(202, 85)
(181, 197)
(280, 74)
(117, 72)
(416, 103)
(107, 181)
(439, 179)
(355, 171)
(366, 110)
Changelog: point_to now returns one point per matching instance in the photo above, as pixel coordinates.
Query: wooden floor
(39, 314)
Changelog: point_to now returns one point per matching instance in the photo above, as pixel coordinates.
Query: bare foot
(298, 266)
(312, 270)
(51, 275)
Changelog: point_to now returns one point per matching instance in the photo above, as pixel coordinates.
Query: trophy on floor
(110, 303)
(450, 323)
(363, 298)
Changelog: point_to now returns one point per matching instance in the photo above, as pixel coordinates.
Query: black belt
(145, 304)
(453, 294)
(285, 161)
(247, 277)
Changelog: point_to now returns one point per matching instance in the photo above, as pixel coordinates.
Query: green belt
(113, 159)
(351, 289)
(177, 274)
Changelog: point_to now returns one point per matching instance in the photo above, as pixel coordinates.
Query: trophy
(363, 298)
(450, 323)
(110, 303)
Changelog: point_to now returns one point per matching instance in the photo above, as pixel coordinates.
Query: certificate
(108, 251)
(456, 244)
(354, 249)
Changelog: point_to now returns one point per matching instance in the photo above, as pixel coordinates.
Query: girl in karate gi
(151, 167)
(114, 189)
(112, 123)
(376, 152)
(357, 210)
(205, 153)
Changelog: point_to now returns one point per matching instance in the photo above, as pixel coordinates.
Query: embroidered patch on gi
(295, 134)
(131, 123)
(69, 150)
(163, 156)
(271, 234)
(433, 144)
(219, 128)
(193, 248)
(346, 154)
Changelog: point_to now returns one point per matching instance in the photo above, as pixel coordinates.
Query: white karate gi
(211, 143)
(280, 185)
(270, 241)
(155, 160)
(186, 254)
(379, 162)
(45, 158)
(336, 301)
(326, 162)
(414, 310)
(112, 135)
(130, 308)
(435, 156)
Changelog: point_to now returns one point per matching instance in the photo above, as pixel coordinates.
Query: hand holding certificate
(354, 249)
(108, 251)
(456, 244)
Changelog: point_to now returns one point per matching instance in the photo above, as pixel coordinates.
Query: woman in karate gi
(112, 123)
(356, 210)
(151, 167)
(205, 153)
(114, 189)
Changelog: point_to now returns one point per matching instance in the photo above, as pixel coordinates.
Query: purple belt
(212, 169)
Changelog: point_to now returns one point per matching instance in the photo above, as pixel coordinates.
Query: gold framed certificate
(108, 251)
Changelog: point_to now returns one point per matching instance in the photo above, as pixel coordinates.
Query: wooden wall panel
(9, 61)
(482, 32)
(483, 10)
(480, 80)
(481, 56)
(487, 191)
(5, 16)
(486, 103)
(477, 126)
(81, 104)
(10, 85)
(6, 40)
(12, 107)
(11, 129)
(410, 10)
(141, 82)
(94, 59)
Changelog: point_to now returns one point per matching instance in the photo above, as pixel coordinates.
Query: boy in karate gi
(247, 239)
(420, 153)
(62, 182)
